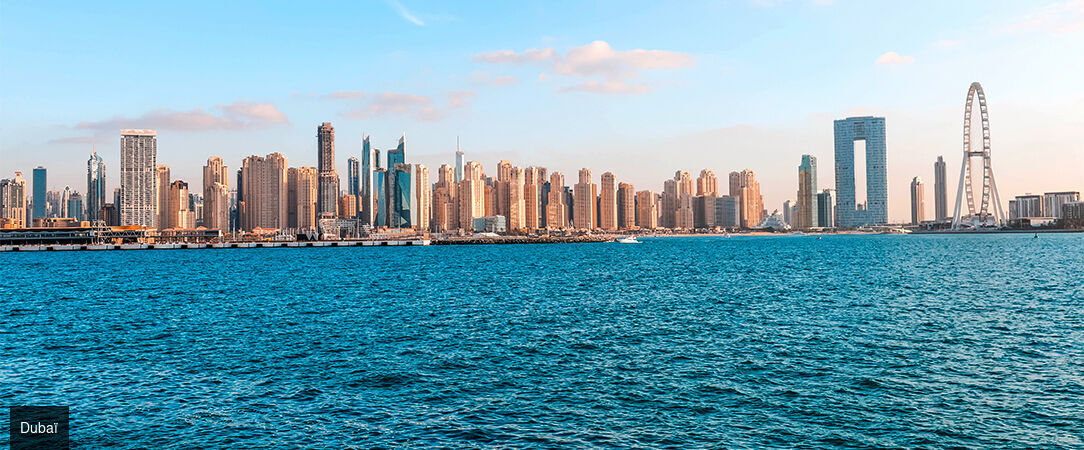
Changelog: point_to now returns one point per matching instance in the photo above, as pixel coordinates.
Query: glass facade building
(872, 131)
(39, 193)
(402, 213)
(95, 187)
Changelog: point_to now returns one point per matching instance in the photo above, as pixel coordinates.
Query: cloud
(484, 78)
(344, 95)
(511, 57)
(459, 99)
(405, 14)
(236, 116)
(76, 140)
(894, 59)
(607, 87)
(420, 107)
(612, 69)
(1063, 17)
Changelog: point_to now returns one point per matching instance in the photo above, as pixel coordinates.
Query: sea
(844, 341)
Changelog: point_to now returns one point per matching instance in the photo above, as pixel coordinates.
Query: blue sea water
(743, 342)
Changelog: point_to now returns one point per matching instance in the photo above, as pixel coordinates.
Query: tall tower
(807, 193)
(872, 131)
(989, 212)
(583, 197)
(95, 187)
(161, 186)
(458, 161)
(138, 162)
(369, 163)
(40, 187)
(216, 194)
(353, 176)
(940, 190)
(918, 201)
(327, 200)
(607, 211)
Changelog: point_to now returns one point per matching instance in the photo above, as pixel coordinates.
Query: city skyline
(609, 100)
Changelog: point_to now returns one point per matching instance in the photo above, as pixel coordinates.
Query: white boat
(628, 240)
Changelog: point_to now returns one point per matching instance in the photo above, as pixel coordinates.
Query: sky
(640, 89)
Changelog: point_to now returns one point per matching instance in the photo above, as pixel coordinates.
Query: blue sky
(720, 85)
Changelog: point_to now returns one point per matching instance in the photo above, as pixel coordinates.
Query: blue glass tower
(39, 192)
(381, 198)
(872, 131)
(353, 176)
(402, 215)
(369, 162)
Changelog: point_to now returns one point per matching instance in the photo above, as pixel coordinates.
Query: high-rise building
(138, 162)
(403, 209)
(533, 212)
(647, 210)
(556, 205)
(263, 191)
(65, 201)
(940, 190)
(13, 200)
(95, 187)
(308, 193)
(918, 201)
(607, 212)
(216, 194)
(370, 160)
(583, 215)
(1053, 201)
(626, 206)
(161, 188)
(41, 205)
(353, 176)
(517, 211)
(380, 183)
(423, 197)
(504, 175)
(327, 201)
(789, 207)
(458, 162)
(1027, 205)
(178, 213)
(807, 194)
(445, 193)
(728, 211)
(826, 208)
(472, 192)
(848, 211)
(348, 204)
(749, 199)
(707, 183)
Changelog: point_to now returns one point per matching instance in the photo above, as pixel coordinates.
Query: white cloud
(484, 78)
(607, 87)
(511, 57)
(239, 115)
(421, 107)
(405, 14)
(1063, 17)
(894, 59)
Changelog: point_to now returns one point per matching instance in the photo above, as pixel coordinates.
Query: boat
(627, 240)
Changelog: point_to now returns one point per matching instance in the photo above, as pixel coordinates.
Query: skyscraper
(707, 184)
(458, 161)
(264, 191)
(403, 213)
(750, 202)
(472, 201)
(626, 206)
(940, 190)
(504, 175)
(328, 192)
(369, 162)
(517, 219)
(13, 200)
(918, 201)
(138, 160)
(161, 189)
(95, 187)
(423, 200)
(445, 193)
(40, 187)
(872, 131)
(380, 186)
(807, 194)
(556, 206)
(307, 182)
(826, 208)
(216, 194)
(178, 214)
(353, 177)
(647, 211)
(788, 212)
(533, 179)
(608, 202)
(583, 215)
